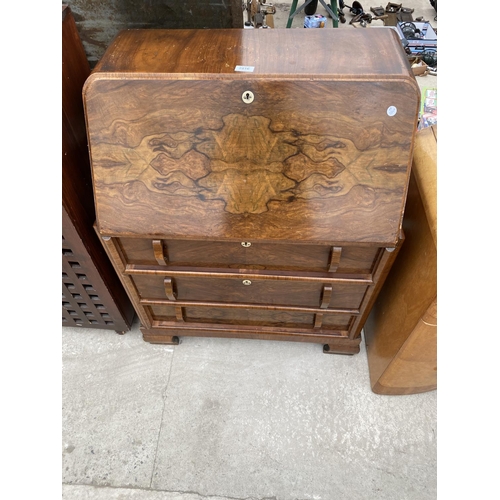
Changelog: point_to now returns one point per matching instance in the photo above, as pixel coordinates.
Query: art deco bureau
(252, 183)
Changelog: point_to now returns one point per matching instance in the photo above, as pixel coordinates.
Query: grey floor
(236, 419)
(227, 419)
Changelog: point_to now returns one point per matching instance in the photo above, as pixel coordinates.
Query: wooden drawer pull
(179, 313)
(318, 320)
(169, 289)
(325, 302)
(327, 295)
(334, 259)
(160, 253)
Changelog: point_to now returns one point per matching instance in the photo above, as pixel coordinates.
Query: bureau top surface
(321, 152)
(283, 52)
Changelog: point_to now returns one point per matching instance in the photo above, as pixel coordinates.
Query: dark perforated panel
(81, 303)
(86, 300)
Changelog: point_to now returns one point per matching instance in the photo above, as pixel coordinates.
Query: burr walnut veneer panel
(249, 184)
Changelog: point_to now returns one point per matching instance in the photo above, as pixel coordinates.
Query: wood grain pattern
(79, 305)
(274, 218)
(326, 298)
(335, 256)
(425, 156)
(169, 150)
(414, 369)
(401, 330)
(169, 289)
(113, 251)
(77, 196)
(387, 258)
(268, 325)
(259, 255)
(334, 339)
(136, 270)
(159, 252)
(248, 305)
(232, 290)
(271, 52)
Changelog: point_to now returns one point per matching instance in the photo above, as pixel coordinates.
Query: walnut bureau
(252, 183)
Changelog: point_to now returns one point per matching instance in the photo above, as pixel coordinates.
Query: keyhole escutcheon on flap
(247, 96)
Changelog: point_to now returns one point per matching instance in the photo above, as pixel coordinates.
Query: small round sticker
(392, 110)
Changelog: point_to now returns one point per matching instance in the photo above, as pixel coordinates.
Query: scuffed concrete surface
(236, 419)
(281, 419)
(113, 400)
(95, 493)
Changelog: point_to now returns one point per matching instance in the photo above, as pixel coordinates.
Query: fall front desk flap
(235, 134)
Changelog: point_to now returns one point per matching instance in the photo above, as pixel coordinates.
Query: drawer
(255, 291)
(248, 317)
(250, 255)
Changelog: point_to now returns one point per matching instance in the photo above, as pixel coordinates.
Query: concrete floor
(236, 419)
(227, 419)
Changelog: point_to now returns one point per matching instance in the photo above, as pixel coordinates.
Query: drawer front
(254, 291)
(248, 317)
(248, 254)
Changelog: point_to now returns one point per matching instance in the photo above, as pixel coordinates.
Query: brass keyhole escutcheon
(247, 282)
(246, 244)
(247, 96)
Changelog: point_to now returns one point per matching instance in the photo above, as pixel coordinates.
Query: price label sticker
(245, 69)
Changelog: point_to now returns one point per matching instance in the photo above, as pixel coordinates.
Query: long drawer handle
(335, 254)
(325, 302)
(160, 253)
(326, 297)
(169, 289)
(318, 320)
(179, 313)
